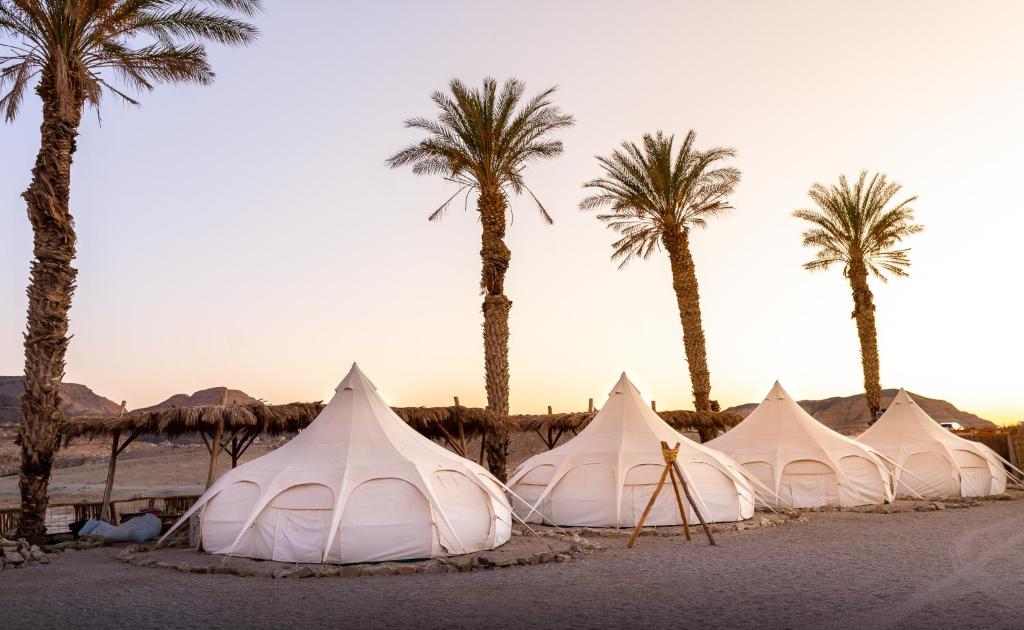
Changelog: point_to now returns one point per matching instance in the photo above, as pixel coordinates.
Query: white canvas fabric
(804, 462)
(929, 460)
(357, 485)
(605, 476)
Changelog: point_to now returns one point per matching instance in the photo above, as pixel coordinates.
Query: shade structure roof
(606, 474)
(804, 462)
(929, 460)
(358, 484)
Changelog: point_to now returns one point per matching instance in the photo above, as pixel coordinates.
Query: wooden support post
(215, 446)
(654, 405)
(647, 510)
(463, 444)
(549, 410)
(590, 406)
(674, 473)
(679, 502)
(108, 489)
(686, 490)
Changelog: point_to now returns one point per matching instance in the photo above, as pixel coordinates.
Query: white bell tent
(931, 461)
(605, 476)
(357, 485)
(802, 461)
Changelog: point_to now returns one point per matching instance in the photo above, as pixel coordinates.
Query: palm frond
(859, 225)
(652, 190)
(87, 47)
(485, 137)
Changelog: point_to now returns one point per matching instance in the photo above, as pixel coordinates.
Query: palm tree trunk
(495, 256)
(684, 281)
(52, 282)
(864, 314)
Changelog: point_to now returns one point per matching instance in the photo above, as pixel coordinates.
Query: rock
(405, 569)
(303, 572)
(484, 562)
(373, 570)
(280, 573)
(348, 571)
(562, 557)
(222, 569)
(432, 566)
(740, 527)
(13, 558)
(939, 505)
(200, 569)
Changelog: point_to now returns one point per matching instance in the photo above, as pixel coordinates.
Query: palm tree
(859, 229)
(482, 140)
(654, 202)
(72, 51)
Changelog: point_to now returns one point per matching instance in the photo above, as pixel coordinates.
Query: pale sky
(249, 234)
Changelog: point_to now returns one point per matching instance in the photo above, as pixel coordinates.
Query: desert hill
(79, 400)
(210, 396)
(843, 413)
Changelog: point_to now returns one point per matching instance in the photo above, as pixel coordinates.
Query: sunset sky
(250, 234)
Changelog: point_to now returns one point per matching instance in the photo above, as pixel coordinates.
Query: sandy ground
(151, 470)
(953, 568)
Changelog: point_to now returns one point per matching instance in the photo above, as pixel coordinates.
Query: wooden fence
(59, 516)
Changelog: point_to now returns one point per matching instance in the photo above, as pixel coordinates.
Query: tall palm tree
(656, 195)
(482, 140)
(73, 52)
(859, 227)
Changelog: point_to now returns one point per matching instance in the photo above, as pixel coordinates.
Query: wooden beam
(108, 488)
(215, 447)
(686, 490)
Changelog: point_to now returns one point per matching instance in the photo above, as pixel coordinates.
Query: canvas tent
(804, 462)
(929, 460)
(357, 485)
(605, 476)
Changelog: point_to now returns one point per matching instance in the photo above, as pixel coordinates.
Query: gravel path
(955, 568)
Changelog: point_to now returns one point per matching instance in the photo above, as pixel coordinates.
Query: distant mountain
(847, 413)
(211, 396)
(79, 400)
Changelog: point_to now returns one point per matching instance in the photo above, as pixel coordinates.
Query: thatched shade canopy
(234, 419)
(234, 428)
(552, 426)
(454, 425)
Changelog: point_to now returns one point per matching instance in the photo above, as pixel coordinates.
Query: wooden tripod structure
(673, 472)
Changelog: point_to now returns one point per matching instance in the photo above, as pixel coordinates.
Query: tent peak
(623, 385)
(902, 398)
(355, 380)
(777, 392)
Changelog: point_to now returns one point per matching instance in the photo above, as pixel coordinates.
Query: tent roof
(780, 423)
(905, 424)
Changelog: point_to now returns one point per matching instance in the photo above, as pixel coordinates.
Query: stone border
(15, 554)
(245, 567)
